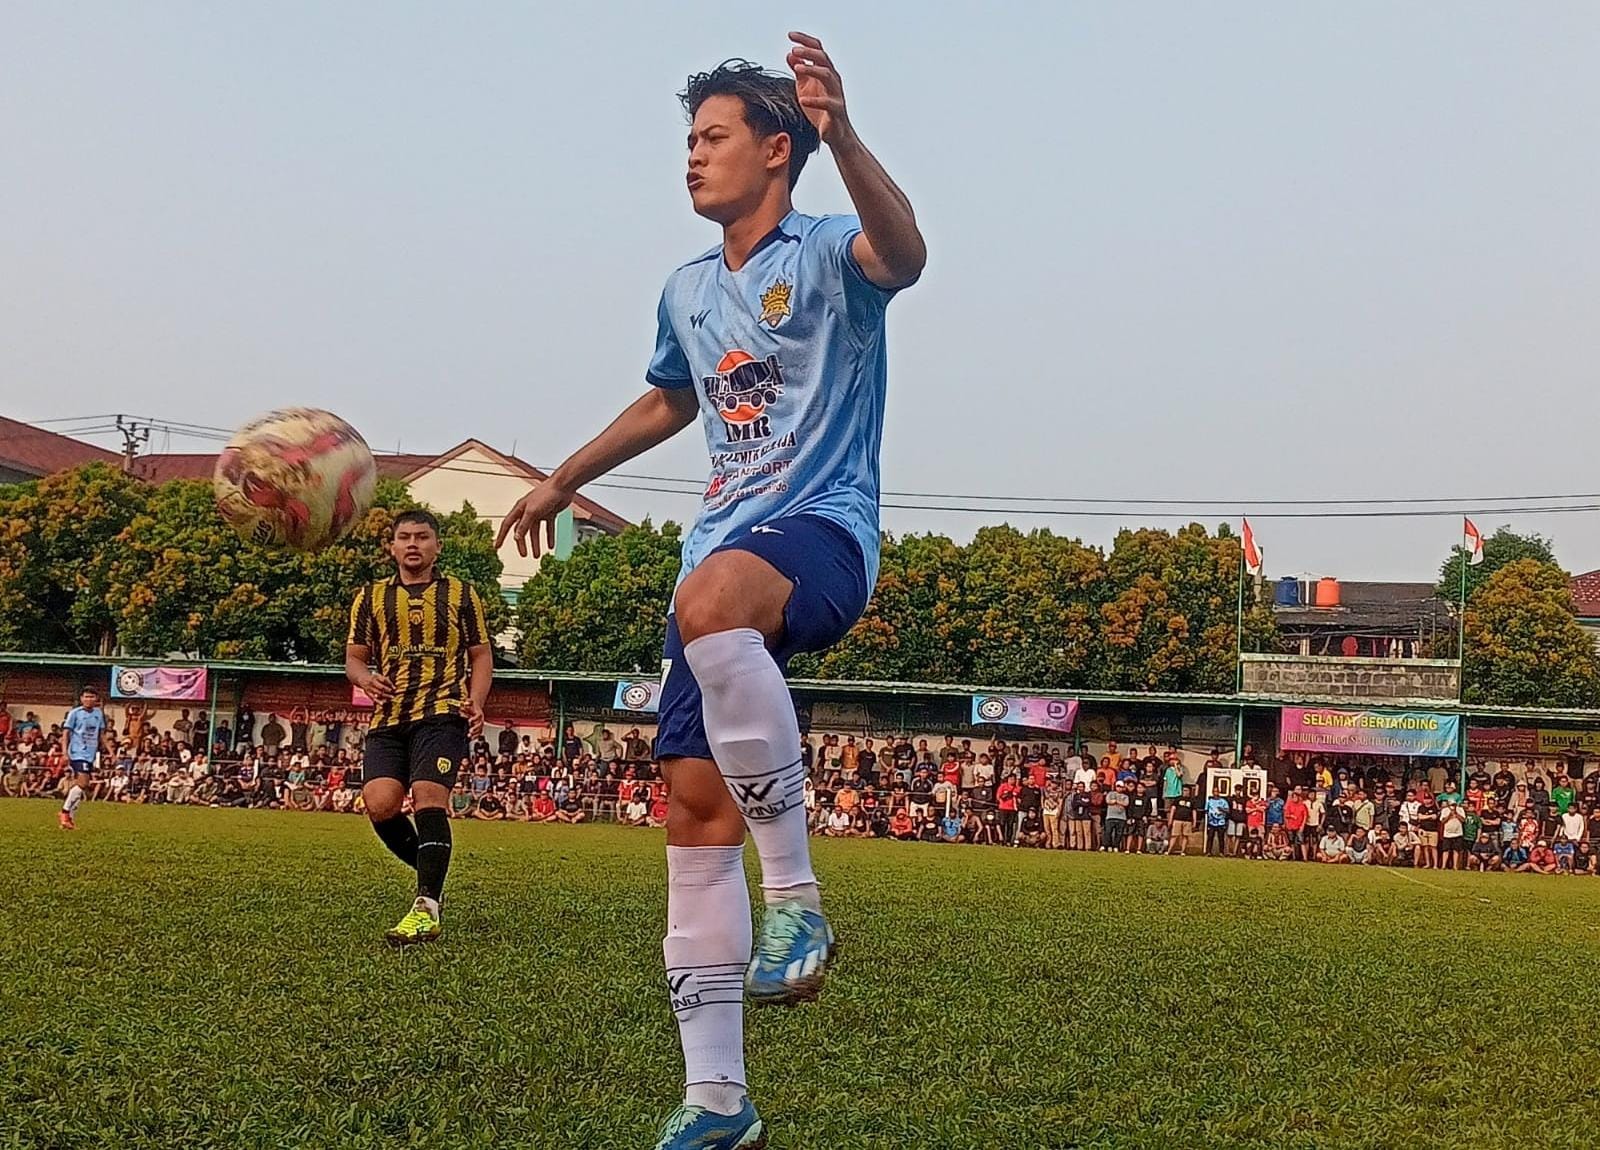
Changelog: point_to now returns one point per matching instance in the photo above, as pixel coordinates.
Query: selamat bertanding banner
(1025, 711)
(1332, 731)
(187, 683)
(642, 695)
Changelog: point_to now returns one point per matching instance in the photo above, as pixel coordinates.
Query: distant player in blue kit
(82, 733)
(775, 340)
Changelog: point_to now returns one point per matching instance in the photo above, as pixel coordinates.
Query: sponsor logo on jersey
(775, 303)
(740, 391)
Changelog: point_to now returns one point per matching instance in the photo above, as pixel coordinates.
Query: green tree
(604, 607)
(1171, 623)
(56, 554)
(1034, 604)
(1525, 646)
(182, 580)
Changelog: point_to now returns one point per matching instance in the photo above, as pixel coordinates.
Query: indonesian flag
(1252, 553)
(1471, 541)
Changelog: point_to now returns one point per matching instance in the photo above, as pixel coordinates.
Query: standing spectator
(1180, 820)
(1079, 827)
(1427, 827)
(1171, 781)
(1115, 818)
(1295, 814)
(1452, 837)
(1052, 809)
(1217, 824)
(1006, 798)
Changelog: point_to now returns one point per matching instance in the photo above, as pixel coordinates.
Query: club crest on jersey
(741, 390)
(775, 303)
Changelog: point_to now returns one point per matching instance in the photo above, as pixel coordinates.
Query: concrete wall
(1352, 680)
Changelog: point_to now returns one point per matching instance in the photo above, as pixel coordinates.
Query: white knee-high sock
(707, 948)
(755, 739)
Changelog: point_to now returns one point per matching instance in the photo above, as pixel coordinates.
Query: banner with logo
(1025, 711)
(641, 695)
(1530, 742)
(1329, 730)
(188, 683)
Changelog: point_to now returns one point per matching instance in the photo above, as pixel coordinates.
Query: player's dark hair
(770, 105)
(416, 516)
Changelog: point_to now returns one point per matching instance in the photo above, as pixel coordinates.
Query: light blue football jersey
(787, 358)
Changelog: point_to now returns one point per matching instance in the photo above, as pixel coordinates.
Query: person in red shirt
(900, 825)
(1541, 860)
(1037, 775)
(1475, 798)
(1005, 797)
(1107, 773)
(658, 811)
(544, 809)
(951, 771)
(1295, 813)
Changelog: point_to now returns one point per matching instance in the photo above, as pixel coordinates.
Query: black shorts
(431, 750)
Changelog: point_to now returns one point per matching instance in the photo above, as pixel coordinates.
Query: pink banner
(187, 683)
(1337, 731)
(1025, 711)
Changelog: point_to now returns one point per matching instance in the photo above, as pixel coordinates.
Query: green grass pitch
(201, 978)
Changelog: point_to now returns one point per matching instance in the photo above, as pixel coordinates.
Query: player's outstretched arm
(890, 248)
(653, 418)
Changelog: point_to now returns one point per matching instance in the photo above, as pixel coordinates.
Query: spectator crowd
(1385, 812)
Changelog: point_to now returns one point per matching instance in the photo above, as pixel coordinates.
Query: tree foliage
(603, 608)
(1525, 646)
(94, 560)
(1009, 608)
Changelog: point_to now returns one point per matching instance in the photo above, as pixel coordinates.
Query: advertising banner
(1329, 730)
(1025, 711)
(639, 695)
(188, 683)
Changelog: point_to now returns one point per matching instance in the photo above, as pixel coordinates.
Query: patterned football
(297, 478)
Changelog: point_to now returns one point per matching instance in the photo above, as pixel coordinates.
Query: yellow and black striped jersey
(418, 638)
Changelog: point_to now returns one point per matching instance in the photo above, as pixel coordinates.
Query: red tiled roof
(35, 451)
(1586, 594)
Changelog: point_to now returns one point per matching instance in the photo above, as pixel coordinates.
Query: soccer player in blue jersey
(81, 736)
(774, 339)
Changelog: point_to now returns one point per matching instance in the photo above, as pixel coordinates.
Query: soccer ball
(296, 478)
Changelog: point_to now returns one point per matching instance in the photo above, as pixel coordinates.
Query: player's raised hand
(534, 513)
(819, 88)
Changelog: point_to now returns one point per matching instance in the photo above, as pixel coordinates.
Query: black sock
(433, 851)
(400, 837)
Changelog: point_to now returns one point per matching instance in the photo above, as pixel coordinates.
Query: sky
(1222, 251)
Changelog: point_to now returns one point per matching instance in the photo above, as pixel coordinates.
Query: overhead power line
(1063, 506)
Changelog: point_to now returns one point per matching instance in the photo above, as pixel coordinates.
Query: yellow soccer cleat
(418, 926)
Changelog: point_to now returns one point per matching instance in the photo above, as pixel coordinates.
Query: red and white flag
(1252, 553)
(1471, 541)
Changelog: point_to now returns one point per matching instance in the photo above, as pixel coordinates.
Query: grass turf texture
(202, 978)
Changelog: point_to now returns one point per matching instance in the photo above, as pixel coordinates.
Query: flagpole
(1238, 630)
(1461, 624)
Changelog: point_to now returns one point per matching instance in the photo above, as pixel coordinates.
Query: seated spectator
(1383, 852)
(461, 801)
(1514, 857)
(1405, 845)
(927, 830)
(1332, 848)
(1564, 850)
(839, 822)
(1360, 847)
(1030, 832)
(570, 809)
(950, 828)
(901, 826)
(1277, 847)
(658, 811)
(637, 811)
(1157, 839)
(491, 806)
(1585, 860)
(1541, 860)
(543, 809)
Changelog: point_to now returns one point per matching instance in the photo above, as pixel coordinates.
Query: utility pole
(134, 435)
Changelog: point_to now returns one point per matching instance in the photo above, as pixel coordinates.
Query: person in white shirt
(1332, 848)
(1082, 774)
(1572, 825)
(839, 823)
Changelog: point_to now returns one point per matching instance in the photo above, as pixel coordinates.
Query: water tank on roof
(1327, 592)
(1287, 592)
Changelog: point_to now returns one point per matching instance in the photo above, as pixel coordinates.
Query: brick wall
(1359, 680)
